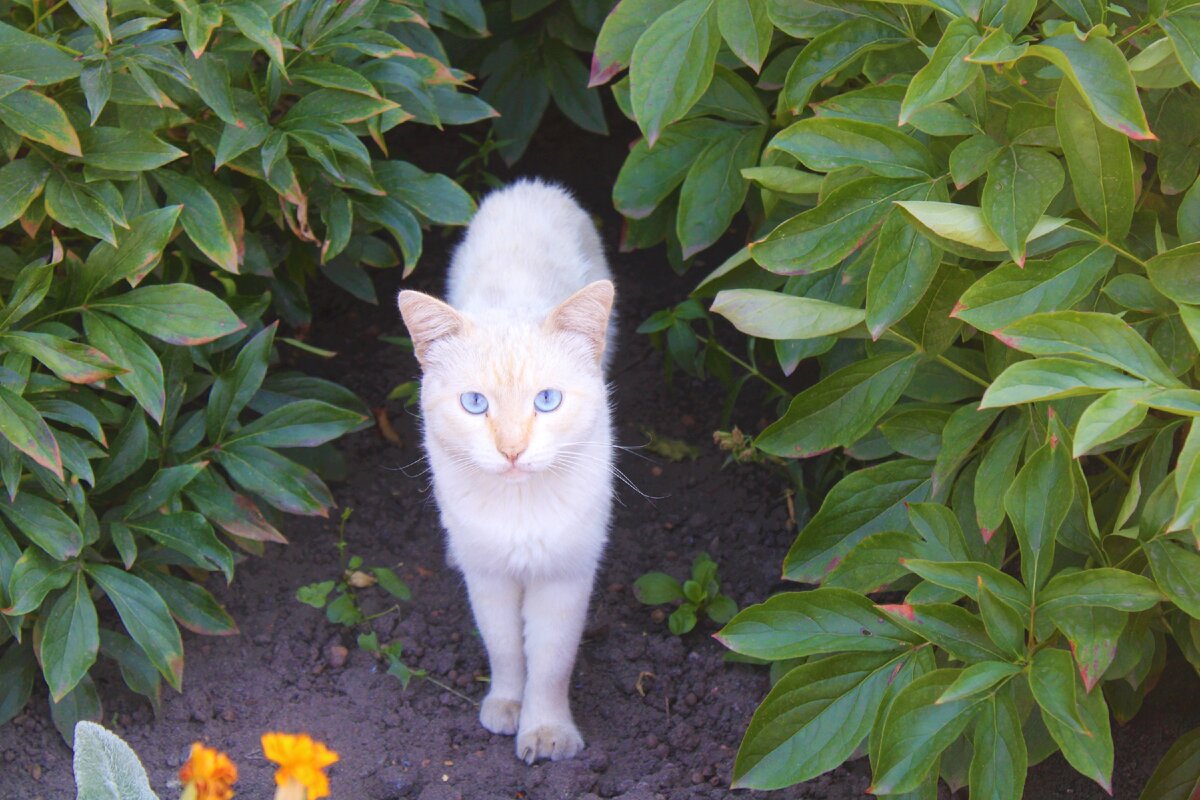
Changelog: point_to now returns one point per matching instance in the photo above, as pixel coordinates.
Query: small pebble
(697, 777)
(691, 699)
(229, 715)
(658, 615)
(337, 655)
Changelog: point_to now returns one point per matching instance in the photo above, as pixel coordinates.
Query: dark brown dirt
(662, 716)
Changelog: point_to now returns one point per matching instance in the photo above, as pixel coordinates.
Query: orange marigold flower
(300, 759)
(210, 772)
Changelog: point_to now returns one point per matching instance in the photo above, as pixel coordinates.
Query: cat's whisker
(573, 456)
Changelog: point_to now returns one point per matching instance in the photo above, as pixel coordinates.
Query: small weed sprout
(699, 594)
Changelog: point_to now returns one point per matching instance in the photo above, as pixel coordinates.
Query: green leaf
(1093, 633)
(999, 758)
(18, 668)
(916, 729)
(34, 576)
(568, 79)
(305, 423)
(34, 58)
(176, 313)
(1003, 624)
(1099, 163)
(137, 252)
(784, 179)
(1102, 586)
(106, 768)
(682, 619)
(1177, 570)
(21, 181)
(1055, 684)
(82, 703)
(128, 452)
(825, 620)
(951, 628)
(672, 65)
(281, 482)
(830, 51)
(840, 409)
(143, 375)
(714, 189)
(822, 237)
(44, 524)
(390, 582)
(996, 472)
(774, 315)
(1109, 417)
(622, 28)
(1008, 293)
(191, 604)
(189, 534)
(938, 526)
(36, 117)
(977, 679)
(433, 196)
(70, 638)
(255, 23)
(965, 225)
(966, 577)
(746, 28)
(145, 616)
(1099, 71)
(1181, 24)
(1052, 378)
(232, 390)
(655, 588)
(202, 219)
(234, 513)
(947, 73)
(903, 269)
(24, 428)
(71, 361)
(812, 720)
(828, 143)
(915, 432)
(874, 562)
(1177, 776)
(971, 158)
(862, 503)
(1100, 337)
(1173, 273)
(126, 150)
(1037, 503)
(77, 206)
(1021, 183)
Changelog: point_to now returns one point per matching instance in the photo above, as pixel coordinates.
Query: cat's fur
(525, 496)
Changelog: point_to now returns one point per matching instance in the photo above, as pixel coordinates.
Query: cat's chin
(515, 475)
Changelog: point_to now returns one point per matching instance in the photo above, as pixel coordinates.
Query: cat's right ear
(428, 320)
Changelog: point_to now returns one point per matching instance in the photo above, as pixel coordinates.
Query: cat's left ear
(427, 319)
(586, 313)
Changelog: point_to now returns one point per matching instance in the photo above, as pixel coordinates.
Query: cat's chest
(539, 528)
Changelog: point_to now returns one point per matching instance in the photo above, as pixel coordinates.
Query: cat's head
(508, 398)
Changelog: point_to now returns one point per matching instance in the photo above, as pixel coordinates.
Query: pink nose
(512, 453)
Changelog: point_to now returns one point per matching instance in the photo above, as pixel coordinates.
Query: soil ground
(662, 715)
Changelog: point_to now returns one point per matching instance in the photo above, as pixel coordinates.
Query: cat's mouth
(516, 474)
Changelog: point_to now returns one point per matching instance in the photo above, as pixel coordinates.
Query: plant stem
(746, 366)
(1147, 24)
(1108, 462)
(451, 690)
(1115, 248)
(966, 373)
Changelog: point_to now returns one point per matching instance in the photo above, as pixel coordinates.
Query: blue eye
(547, 400)
(473, 402)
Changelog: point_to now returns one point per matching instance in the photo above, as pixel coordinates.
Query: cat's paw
(500, 715)
(555, 741)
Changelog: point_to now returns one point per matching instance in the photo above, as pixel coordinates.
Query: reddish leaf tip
(987, 534)
(958, 307)
(900, 609)
(1005, 339)
(601, 74)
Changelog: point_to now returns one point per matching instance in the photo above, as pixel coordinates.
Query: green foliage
(172, 175)
(979, 221)
(526, 53)
(701, 593)
(339, 598)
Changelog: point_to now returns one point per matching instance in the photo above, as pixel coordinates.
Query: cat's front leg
(496, 603)
(554, 611)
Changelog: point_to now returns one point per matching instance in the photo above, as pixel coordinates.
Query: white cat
(518, 433)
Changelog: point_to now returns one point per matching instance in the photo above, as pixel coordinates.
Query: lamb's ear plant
(978, 223)
(699, 594)
(106, 768)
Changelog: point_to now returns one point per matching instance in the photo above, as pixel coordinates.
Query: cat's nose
(512, 452)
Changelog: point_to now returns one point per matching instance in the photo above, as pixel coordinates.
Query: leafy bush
(532, 54)
(171, 173)
(981, 220)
